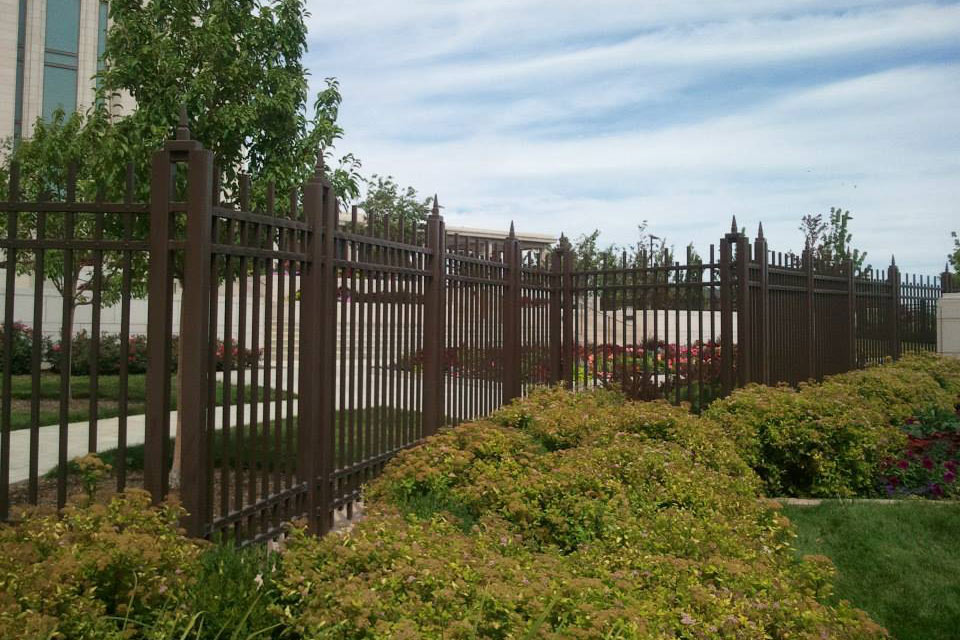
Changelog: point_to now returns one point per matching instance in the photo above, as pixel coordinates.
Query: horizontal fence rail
(290, 353)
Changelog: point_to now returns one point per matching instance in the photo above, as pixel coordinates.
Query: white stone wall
(948, 325)
(8, 65)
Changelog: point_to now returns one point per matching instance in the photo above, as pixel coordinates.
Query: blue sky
(569, 116)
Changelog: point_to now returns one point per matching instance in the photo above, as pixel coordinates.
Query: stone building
(49, 55)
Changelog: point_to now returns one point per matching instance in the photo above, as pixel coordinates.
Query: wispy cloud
(567, 116)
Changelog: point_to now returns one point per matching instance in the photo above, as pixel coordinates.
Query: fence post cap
(760, 231)
(436, 206)
(512, 232)
(733, 225)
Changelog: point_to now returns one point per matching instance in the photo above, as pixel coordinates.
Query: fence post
(809, 336)
(726, 309)
(310, 433)
(558, 304)
(569, 345)
(435, 324)
(946, 280)
(763, 308)
(511, 318)
(893, 277)
(851, 315)
(744, 312)
(159, 330)
(193, 367)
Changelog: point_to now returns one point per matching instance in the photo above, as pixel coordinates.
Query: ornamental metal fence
(291, 353)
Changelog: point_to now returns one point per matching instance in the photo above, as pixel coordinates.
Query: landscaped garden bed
(560, 516)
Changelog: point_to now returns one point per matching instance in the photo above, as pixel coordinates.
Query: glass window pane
(59, 90)
(101, 33)
(63, 25)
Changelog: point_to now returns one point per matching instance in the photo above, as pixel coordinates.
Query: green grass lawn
(260, 456)
(898, 562)
(108, 398)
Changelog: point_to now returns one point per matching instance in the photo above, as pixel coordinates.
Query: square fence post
(310, 435)
(893, 279)
(435, 325)
(763, 307)
(512, 384)
(556, 313)
(810, 312)
(851, 315)
(195, 334)
(726, 313)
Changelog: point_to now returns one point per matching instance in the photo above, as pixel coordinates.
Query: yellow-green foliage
(829, 438)
(103, 571)
(898, 391)
(560, 420)
(593, 518)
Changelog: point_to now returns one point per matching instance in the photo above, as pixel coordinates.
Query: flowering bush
(834, 438)
(22, 347)
(654, 369)
(615, 529)
(111, 352)
(928, 464)
(109, 356)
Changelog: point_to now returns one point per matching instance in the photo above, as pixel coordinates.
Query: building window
(102, 16)
(60, 56)
(21, 48)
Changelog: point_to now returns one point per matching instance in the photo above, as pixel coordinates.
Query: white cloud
(570, 116)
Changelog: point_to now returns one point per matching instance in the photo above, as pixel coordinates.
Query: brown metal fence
(310, 350)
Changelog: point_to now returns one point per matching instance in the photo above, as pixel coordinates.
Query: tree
(236, 67)
(830, 240)
(386, 198)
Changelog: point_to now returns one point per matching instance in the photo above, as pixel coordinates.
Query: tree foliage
(830, 239)
(387, 198)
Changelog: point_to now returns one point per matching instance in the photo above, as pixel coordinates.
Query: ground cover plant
(869, 433)
(899, 562)
(562, 516)
(566, 516)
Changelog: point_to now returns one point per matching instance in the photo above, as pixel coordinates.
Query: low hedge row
(566, 516)
(832, 439)
(560, 516)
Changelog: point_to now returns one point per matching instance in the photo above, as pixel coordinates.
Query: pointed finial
(183, 128)
(512, 234)
(564, 242)
(733, 225)
(436, 206)
(760, 232)
(893, 260)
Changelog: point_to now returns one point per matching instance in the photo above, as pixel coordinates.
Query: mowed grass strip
(108, 398)
(898, 562)
(376, 429)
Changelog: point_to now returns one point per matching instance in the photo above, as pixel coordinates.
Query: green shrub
(898, 391)
(22, 347)
(816, 442)
(594, 527)
(558, 420)
(946, 371)
(102, 571)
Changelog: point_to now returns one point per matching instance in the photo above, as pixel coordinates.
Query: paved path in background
(108, 428)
